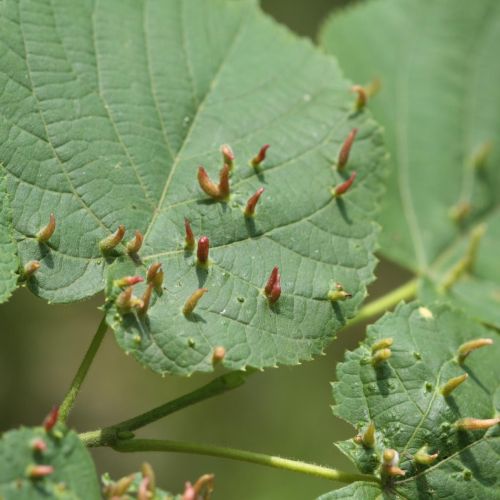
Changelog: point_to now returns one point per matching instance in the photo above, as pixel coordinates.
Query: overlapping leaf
(73, 477)
(402, 397)
(108, 108)
(439, 103)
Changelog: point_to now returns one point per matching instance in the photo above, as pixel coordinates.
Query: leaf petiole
(141, 445)
(77, 382)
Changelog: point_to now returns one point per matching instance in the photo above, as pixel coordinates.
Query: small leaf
(60, 468)
(439, 102)
(403, 398)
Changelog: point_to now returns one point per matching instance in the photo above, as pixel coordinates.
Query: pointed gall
(227, 156)
(273, 286)
(135, 244)
(476, 424)
(338, 294)
(126, 301)
(30, 268)
(192, 301)
(452, 384)
(344, 187)
(189, 492)
(203, 250)
(155, 275)
(382, 344)
(51, 419)
(147, 471)
(143, 492)
(390, 459)
(423, 457)
(459, 211)
(380, 356)
(218, 354)
(465, 349)
(368, 437)
(146, 298)
(481, 155)
(272, 279)
(252, 202)
(346, 149)
(207, 184)
(362, 97)
(260, 156)
(113, 240)
(128, 281)
(121, 487)
(38, 445)
(47, 231)
(189, 241)
(39, 471)
(203, 484)
(224, 189)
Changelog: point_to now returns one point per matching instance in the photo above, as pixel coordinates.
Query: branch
(220, 385)
(77, 382)
(386, 302)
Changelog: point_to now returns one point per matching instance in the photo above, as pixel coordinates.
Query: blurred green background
(285, 411)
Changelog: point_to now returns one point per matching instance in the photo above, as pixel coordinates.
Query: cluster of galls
(145, 491)
(389, 468)
(202, 488)
(39, 447)
(222, 190)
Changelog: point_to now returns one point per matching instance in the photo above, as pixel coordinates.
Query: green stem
(388, 301)
(77, 382)
(217, 386)
(142, 445)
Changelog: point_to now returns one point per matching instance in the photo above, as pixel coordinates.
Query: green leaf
(8, 257)
(74, 476)
(358, 491)
(439, 104)
(402, 397)
(112, 107)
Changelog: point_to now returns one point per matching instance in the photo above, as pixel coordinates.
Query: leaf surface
(402, 397)
(8, 257)
(439, 102)
(113, 105)
(359, 491)
(74, 476)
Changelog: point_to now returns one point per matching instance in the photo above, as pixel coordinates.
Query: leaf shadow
(195, 318)
(46, 255)
(202, 274)
(252, 230)
(343, 210)
(473, 376)
(338, 312)
(383, 374)
(468, 460)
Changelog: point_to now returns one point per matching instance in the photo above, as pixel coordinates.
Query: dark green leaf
(402, 397)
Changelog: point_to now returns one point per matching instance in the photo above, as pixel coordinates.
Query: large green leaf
(402, 397)
(439, 103)
(112, 105)
(8, 258)
(73, 477)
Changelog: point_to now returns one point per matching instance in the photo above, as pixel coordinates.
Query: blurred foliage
(285, 411)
